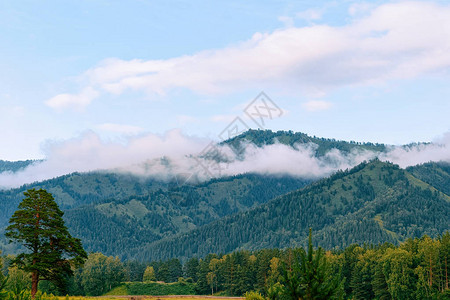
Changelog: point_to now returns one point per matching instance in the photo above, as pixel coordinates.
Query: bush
(253, 296)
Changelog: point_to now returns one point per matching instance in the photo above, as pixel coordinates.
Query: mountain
(132, 216)
(14, 166)
(374, 202)
(268, 137)
(114, 213)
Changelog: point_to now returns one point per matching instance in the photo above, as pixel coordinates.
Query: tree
(101, 274)
(39, 226)
(310, 276)
(18, 280)
(397, 269)
(149, 274)
(3, 280)
(191, 269)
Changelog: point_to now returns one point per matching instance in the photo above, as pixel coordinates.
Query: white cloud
(76, 101)
(412, 155)
(90, 153)
(360, 8)
(317, 105)
(392, 41)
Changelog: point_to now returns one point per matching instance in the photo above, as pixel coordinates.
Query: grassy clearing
(166, 297)
(153, 288)
(170, 297)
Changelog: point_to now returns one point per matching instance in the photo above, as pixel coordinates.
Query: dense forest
(147, 219)
(415, 269)
(118, 213)
(374, 202)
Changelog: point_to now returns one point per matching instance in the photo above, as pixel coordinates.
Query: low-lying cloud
(166, 156)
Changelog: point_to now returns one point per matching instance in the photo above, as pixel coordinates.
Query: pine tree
(3, 281)
(52, 251)
(191, 269)
(310, 276)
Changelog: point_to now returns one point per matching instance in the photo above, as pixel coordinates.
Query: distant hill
(14, 166)
(374, 202)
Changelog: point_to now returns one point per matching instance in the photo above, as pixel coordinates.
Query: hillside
(269, 137)
(114, 213)
(78, 189)
(14, 166)
(374, 202)
(435, 174)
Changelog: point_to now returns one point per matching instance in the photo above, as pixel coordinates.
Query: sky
(78, 75)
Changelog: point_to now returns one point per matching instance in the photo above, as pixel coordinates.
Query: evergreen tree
(39, 226)
(3, 280)
(310, 277)
(191, 269)
(379, 284)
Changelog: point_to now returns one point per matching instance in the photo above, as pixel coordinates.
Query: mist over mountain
(153, 207)
(15, 166)
(254, 151)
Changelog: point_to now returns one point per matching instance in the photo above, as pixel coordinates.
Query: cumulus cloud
(175, 153)
(391, 41)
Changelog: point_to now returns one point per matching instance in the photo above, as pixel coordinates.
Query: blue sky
(367, 71)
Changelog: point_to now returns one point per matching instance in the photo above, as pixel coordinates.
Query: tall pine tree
(52, 251)
(310, 276)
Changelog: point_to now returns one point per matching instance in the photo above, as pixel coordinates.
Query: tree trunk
(34, 283)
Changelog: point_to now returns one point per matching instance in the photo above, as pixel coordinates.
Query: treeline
(415, 269)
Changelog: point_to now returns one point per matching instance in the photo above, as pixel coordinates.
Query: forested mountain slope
(14, 166)
(113, 213)
(436, 174)
(269, 137)
(374, 202)
(77, 189)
